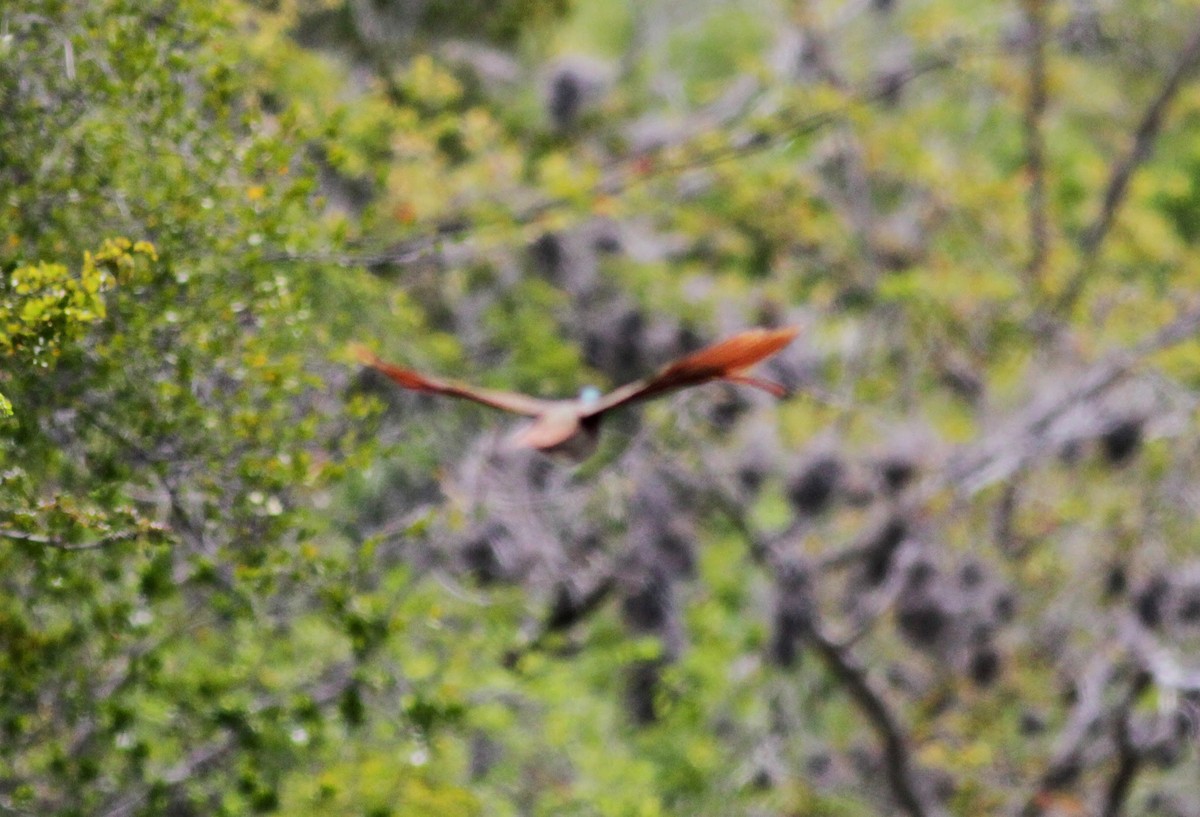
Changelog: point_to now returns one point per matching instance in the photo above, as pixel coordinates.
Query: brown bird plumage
(571, 426)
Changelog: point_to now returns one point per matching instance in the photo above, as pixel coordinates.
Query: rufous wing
(415, 381)
(726, 360)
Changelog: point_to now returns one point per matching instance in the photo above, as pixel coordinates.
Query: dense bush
(954, 573)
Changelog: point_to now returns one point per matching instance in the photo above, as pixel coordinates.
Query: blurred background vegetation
(956, 573)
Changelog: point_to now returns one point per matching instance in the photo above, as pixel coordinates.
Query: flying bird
(571, 427)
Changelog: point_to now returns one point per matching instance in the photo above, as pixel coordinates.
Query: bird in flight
(571, 427)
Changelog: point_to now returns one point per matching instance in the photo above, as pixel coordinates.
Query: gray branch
(1118, 181)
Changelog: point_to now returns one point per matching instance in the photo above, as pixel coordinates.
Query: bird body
(563, 430)
(571, 427)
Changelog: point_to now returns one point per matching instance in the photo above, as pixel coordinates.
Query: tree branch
(203, 758)
(625, 173)
(837, 658)
(1129, 757)
(563, 615)
(1035, 148)
(211, 753)
(1003, 527)
(61, 544)
(1118, 181)
(1003, 455)
(1067, 758)
(902, 778)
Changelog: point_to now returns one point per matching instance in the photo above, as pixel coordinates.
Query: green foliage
(44, 306)
(724, 43)
(503, 22)
(242, 577)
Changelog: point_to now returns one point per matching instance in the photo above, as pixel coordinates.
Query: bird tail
(739, 352)
(726, 360)
(769, 386)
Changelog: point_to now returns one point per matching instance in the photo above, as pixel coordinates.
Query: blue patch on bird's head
(589, 395)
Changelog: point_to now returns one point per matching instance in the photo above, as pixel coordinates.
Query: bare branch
(564, 615)
(61, 544)
(902, 778)
(840, 662)
(1129, 757)
(1067, 758)
(198, 761)
(212, 753)
(8, 807)
(624, 174)
(1118, 181)
(424, 248)
(998, 458)
(1035, 148)
(1007, 540)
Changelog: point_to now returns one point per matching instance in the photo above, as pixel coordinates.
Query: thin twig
(1035, 147)
(1064, 765)
(212, 753)
(1005, 454)
(198, 761)
(1129, 757)
(622, 176)
(1118, 181)
(559, 619)
(61, 544)
(900, 774)
(840, 662)
(1004, 527)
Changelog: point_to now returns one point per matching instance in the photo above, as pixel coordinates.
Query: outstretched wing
(726, 360)
(415, 381)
